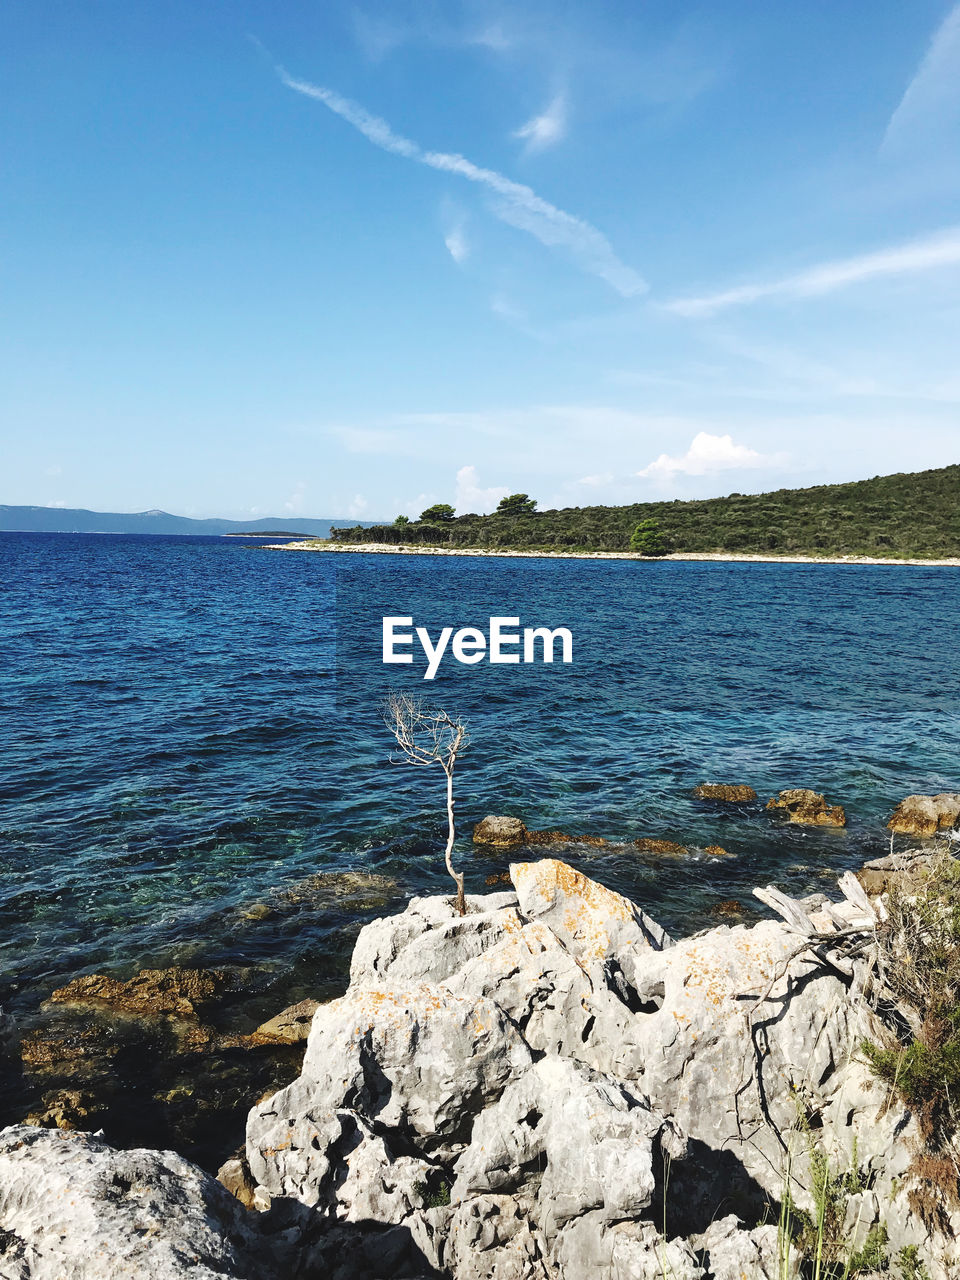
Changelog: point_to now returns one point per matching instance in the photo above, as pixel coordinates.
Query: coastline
(721, 557)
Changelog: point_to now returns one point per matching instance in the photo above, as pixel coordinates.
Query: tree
(516, 504)
(438, 512)
(401, 521)
(647, 539)
(427, 737)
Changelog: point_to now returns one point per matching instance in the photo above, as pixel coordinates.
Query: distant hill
(913, 514)
(70, 520)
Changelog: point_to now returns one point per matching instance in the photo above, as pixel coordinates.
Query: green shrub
(647, 539)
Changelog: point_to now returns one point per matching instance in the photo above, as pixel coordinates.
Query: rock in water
(501, 832)
(73, 1207)
(926, 815)
(727, 793)
(153, 992)
(808, 808)
(290, 1026)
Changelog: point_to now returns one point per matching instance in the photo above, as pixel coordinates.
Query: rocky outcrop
(73, 1207)
(926, 815)
(500, 1095)
(808, 808)
(726, 793)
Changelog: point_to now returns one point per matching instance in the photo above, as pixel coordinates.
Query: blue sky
(348, 259)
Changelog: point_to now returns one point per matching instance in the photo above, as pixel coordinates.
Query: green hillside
(915, 514)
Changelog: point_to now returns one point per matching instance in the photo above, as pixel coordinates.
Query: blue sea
(191, 733)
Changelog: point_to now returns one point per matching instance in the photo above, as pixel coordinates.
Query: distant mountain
(70, 520)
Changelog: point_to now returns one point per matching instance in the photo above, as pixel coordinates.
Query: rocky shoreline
(548, 1086)
(721, 557)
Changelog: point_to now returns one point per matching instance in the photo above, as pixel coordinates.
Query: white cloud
(59, 503)
(706, 455)
(457, 244)
(597, 482)
(357, 507)
(932, 98)
(471, 497)
(547, 129)
(518, 205)
(924, 254)
(296, 500)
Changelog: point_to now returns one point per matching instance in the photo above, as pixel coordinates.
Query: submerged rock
(9, 1043)
(808, 808)
(152, 993)
(668, 848)
(129, 1058)
(926, 815)
(727, 793)
(728, 907)
(72, 1206)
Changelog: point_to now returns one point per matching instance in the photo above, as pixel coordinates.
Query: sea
(195, 769)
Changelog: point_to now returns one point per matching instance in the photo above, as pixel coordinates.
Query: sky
(349, 259)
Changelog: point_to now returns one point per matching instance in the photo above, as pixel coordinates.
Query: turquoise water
(191, 728)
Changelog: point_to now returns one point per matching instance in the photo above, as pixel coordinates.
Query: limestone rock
(494, 1095)
(591, 921)
(926, 815)
(590, 1249)
(501, 832)
(590, 1140)
(395, 947)
(335, 1161)
(732, 1253)
(73, 1207)
(808, 808)
(727, 793)
(412, 1058)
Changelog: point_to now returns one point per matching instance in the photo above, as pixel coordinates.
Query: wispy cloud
(547, 129)
(932, 98)
(516, 204)
(471, 496)
(458, 246)
(924, 254)
(707, 454)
